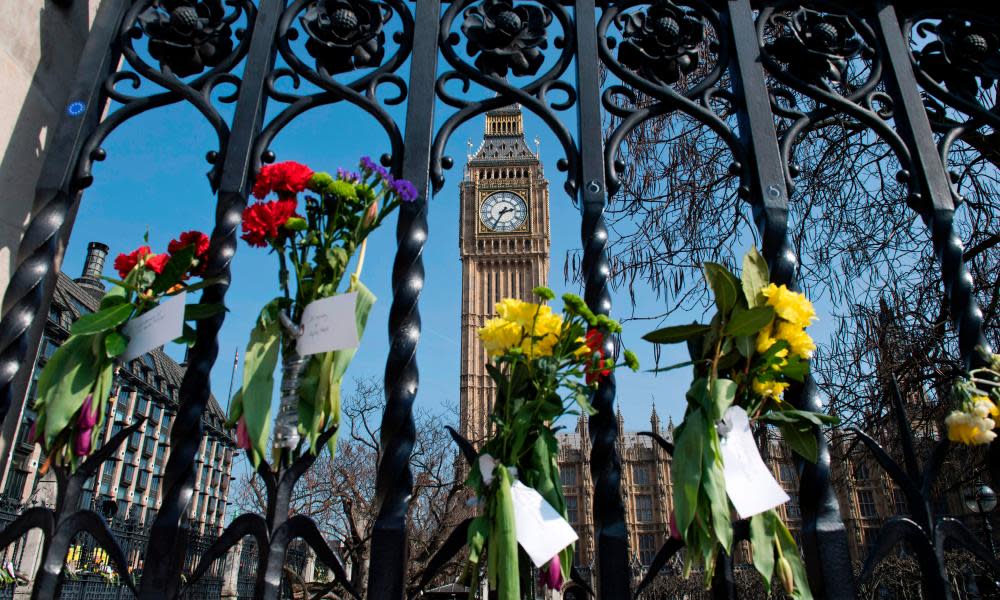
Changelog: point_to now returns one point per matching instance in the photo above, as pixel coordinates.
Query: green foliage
(258, 383)
(103, 320)
(676, 333)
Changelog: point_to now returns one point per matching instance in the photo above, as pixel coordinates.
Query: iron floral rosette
(504, 37)
(345, 35)
(186, 36)
(965, 57)
(662, 43)
(815, 46)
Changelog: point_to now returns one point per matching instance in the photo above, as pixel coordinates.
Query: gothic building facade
(130, 486)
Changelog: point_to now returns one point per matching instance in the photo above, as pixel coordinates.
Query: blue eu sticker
(76, 108)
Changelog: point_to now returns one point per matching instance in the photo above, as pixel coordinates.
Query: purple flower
(550, 575)
(368, 164)
(242, 435)
(88, 414)
(81, 445)
(348, 176)
(406, 191)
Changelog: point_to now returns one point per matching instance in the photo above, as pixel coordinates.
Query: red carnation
(200, 242)
(126, 262)
(595, 341)
(284, 178)
(157, 262)
(262, 221)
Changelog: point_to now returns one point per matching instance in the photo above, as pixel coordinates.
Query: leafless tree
(339, 494)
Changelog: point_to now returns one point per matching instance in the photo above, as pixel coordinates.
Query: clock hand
(503, 211)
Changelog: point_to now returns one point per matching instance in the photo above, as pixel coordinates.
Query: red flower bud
(126, 262)
(242, 435)
(550, 575)
(81, 444)
(88, 414)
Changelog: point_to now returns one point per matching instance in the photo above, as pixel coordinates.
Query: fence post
(231, 573)
(824, 538)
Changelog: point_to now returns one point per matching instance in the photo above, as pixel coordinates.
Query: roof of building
(70, 296)
(497, 149)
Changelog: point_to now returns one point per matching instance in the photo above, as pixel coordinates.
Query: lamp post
(981, 499)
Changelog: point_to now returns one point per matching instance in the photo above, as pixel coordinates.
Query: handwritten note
(329, 324)
(749, 483)
(541, 530)
(155, 328)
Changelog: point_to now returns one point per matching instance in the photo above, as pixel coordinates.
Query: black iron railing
(763, 56)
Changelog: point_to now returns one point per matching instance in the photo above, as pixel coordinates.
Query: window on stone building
(866, 504)
(640, 474)
(15, 484)
(143, 479)
(862, 472)
(787, 472)
(147, 447)
(128, 473)
(899, 502)
(133, 441)
(106, 483)
(48, 348)
(572, 513)
(647, 548)
(792, 507)
(644, 508)
(568, 476)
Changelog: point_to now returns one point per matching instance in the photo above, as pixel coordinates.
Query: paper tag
(155, 328)
(749, 483)
(329, 324)
(541, 530)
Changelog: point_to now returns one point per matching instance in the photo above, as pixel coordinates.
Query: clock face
(503, 211)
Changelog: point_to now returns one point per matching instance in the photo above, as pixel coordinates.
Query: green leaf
(258, 385)
(503, 542)
(723, 393)
(476, 536)
(724, 285)
(749, 322)
(795, 368)
(687, 467)
(115, 344)
(746, 345)
(178, 265)
(761, 535)
(676, 333)
(104, 320)
(714, 484)
(672, 367)
(754, 278)
(328, 399)
(69, 375)
(204, 283)
(801, 439)
(188, 336)
(196, 312)
(798, 416)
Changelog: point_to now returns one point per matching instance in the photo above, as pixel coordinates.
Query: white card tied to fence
(749, 483)
(541, 530)
(329, 324)
(155, 328)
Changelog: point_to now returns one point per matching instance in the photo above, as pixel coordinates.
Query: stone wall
(40, 46)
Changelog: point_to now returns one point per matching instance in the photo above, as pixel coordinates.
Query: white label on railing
(749, 483)
(155, 328)
(541, 530)
(329, 324)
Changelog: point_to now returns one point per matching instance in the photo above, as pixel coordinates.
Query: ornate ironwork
(662, 43)
(506, 37)
(345, 34)
(187, 36)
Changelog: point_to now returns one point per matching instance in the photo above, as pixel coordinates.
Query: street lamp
(981, 499)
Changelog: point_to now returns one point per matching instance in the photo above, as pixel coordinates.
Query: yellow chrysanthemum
(500, 335)
(522, 313)
(969, 429)
(790, 306)
(545, 335)
(983, 407)
(769, 389)
(765, 341)
(798, 340)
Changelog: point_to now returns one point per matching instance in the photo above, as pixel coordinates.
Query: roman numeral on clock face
(503, 211)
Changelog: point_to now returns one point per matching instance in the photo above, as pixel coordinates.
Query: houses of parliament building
(504, 247)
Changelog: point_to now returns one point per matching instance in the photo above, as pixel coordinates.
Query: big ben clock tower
(504, 247)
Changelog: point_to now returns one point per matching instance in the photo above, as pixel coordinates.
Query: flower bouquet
(313, 252)
(744, 360)
(75, 384)
(978, 395)
(543, 364)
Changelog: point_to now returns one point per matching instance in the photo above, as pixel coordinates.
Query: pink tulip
(551, 574)
(32, 433)
(242, 435)
(674, 533)
(81, 445)
(88, 414)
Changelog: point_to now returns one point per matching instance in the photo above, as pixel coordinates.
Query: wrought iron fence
(764, 54)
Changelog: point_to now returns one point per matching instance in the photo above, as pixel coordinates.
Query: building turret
(93, 269)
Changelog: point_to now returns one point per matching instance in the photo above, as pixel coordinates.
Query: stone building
(147, 388)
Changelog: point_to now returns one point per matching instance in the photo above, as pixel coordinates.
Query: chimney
(93, 269)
